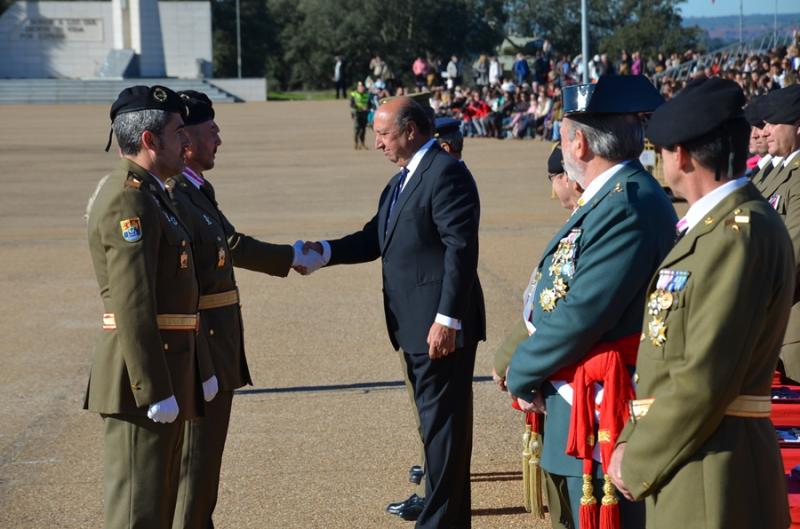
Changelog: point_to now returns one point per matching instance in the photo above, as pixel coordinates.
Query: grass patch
(307, 95)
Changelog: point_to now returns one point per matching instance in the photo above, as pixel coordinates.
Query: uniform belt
(222, 299)
(753, 406)
(166, 322)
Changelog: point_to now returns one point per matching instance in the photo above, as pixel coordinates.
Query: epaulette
(740, 218)
(133, 181)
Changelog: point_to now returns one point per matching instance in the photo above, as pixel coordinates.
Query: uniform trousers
(142, 466)
(203, 445)
(443, 393)
(420, 489)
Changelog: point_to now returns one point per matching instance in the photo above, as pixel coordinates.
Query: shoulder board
(740, 218)
(133, 181)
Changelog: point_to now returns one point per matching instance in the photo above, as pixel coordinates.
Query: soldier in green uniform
(781, 112)
(589, 286)
(700, 446)
(218, 247)
(143, 378)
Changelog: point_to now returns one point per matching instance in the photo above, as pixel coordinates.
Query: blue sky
(704, 8)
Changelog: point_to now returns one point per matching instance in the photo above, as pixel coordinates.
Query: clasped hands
(308, 257)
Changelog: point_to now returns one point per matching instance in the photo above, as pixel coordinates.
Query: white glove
(306, 263)
(164, 410)
(210, 388)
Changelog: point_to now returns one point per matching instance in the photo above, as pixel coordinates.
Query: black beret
(141, 97)
(782, 107)
(612, 94)
(702, 106)
(446, 126)
(199, 107)
(753, 113)
(555, 163)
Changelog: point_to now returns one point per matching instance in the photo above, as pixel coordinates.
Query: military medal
(184, 258)
(220, 257)
(547, 299)
(657, 331)
(560, 288)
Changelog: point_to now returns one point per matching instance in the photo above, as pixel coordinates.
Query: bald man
(426, 233)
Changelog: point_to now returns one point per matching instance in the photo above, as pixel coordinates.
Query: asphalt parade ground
(325, 437)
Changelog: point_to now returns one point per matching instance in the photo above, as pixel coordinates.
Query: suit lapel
(383, 210)
(199, 198)
(407, 191)
(613, 184)
(778, 176)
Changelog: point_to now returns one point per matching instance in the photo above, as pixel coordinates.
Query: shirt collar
(594, 187)
(417, 158)
(157, 179)
(776, 160)
(196, 179)
(764, 160)
(789, 158)
(700, 209)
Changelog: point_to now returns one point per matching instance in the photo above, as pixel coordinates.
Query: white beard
(574, 170)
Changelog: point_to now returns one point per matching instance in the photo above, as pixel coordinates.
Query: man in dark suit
(426, 232)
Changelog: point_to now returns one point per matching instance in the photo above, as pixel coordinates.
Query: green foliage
(651, 26)
(294, 42)
(646, 25)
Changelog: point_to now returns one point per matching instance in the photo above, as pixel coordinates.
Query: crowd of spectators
(524, 101)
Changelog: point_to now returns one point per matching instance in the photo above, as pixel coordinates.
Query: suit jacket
(139, 277)
(782, 189)
(221, 334)
(618, 238)
(429, 251)
(697, 466)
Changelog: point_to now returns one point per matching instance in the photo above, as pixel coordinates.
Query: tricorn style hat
(444, 126)
(555, 163)
(612, 94)
(140, 97)
(702, 106)
(199, 107)
(782, 107)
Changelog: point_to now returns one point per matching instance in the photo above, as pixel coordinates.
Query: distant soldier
(143, 378)
(781, 187)
(700, 446)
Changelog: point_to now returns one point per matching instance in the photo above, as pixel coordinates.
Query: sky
(705, 8)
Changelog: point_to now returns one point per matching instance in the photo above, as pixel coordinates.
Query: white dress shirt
(594, 187)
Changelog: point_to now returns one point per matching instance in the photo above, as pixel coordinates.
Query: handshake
(309, 257)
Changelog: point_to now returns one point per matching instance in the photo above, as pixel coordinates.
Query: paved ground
(306, 450)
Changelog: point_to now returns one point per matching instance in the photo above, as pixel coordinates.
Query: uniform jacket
(429, 252)
(618, 240)
(781, 188)
(721, 336)
(139, 277)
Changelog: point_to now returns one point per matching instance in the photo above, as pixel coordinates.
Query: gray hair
(615, 137)
(128, 128)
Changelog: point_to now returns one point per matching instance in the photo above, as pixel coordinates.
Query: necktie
(397, 190)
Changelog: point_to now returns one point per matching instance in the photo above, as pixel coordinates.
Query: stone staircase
(70, 91)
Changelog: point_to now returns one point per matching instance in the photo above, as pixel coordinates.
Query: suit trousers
(443, 393)
(564, 500)
(420, 489)
(142, 466)
(203, 444)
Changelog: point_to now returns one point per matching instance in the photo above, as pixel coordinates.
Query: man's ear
(150, 141)
(683, 158)
(580, 147)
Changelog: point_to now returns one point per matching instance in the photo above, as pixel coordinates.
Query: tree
(651, 26)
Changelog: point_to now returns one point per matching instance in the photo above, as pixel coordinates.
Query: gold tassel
(609, 498)
(526, 457)
(535, 471)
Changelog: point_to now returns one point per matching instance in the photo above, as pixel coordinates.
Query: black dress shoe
(409, 509)
(415, 474)
(412, 509)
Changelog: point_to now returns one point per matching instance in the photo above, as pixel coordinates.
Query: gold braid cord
(526, 457)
